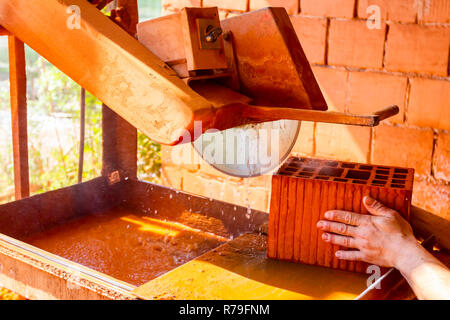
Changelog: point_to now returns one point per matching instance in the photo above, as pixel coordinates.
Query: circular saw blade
(249, 150)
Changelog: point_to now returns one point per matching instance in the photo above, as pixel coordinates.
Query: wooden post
(131, 7)
(119, 145)
(18, 90)
(120, 137)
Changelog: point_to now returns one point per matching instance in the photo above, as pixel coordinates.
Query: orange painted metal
(130, 247)
(18, 90)
(4, 32)
(328, 185)
(196, 57)
(271, 64)
(130, 7)
(163, 37)
(176, 39)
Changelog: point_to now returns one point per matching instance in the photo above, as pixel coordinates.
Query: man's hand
(380, 238)
(386, 239)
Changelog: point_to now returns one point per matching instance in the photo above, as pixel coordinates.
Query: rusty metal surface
(240, 270)
(23, 217)
(272, 66)
(38, 274)
(170, 203)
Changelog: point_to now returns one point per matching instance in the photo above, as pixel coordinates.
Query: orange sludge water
(130, 247)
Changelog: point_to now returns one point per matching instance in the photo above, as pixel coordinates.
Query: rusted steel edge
(39, 258)
(4, 32)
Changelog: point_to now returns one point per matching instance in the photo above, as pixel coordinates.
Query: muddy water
(130, 247)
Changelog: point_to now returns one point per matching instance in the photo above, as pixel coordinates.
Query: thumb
(375, 207)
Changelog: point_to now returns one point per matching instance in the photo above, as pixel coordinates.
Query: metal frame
(52, 273)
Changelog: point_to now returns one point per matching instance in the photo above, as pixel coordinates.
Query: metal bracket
(209, 32)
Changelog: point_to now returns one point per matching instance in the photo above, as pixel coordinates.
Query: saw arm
(139, 86)
(106, 61)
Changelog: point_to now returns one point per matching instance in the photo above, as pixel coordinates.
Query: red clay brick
(225, 190)
(305, 140)
(238, 5)
(170, 6)
(193, 182)
(223, 14)
(231, 14)
(312, 34)
(291, 6)
(172, 176)
(329, 8)
(417, 48)
(391, 10)
(441, 159)
(182, 155)
(351, 43)
(403, 147)
(432, 196)
(429, 103)
(206, 168)
(347, 143)
(264, 181)
(434, 11)
(255, 197)
(333, 83)
(372, 91)
(303, 191)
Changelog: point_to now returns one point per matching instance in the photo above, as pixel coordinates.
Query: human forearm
(426, 275)
(384, 238)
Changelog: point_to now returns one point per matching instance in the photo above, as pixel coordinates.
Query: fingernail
(320, 224)
(368, 200)
(325, 236)
(328, 214)
(337, 254)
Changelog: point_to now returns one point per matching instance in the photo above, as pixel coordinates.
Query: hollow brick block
(304, 189)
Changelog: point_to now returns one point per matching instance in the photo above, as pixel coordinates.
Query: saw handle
(386, 113)
(257, 114)
(238, 114)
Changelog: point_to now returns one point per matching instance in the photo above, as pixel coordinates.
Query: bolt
(227, 36)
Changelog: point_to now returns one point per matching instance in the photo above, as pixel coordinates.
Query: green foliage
(149, 159)
(56, 98)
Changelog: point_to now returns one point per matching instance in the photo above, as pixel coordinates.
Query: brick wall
(405, 62)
